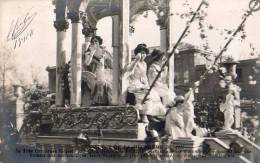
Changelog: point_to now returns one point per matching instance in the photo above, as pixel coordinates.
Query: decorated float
(69, 121)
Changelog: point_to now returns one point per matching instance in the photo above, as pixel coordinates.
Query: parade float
(58, 122)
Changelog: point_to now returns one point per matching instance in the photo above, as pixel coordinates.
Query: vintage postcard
(129, 81)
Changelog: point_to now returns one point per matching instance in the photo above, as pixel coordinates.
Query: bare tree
(7, 66)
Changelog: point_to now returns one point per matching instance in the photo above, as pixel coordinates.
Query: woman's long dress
(174, 123)
(160, 86)
(101, 66)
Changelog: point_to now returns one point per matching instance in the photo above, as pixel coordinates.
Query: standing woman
(96, 59)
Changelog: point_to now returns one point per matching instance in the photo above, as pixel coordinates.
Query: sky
(39, 48)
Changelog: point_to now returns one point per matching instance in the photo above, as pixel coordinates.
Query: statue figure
(188, 113)
(231, 100)
(174, 124)
(137, 78)
(98, 61)
(227, 107)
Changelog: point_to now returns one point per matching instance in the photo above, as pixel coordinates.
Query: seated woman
(161, 87)
(136, 75)
(154, 108)
(98, 62)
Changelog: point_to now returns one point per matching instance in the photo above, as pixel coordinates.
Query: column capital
(89, 31)
(161, 23)
(61, 25)
(74, 16)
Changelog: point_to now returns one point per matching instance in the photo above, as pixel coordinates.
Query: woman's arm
(152, 72)
(131, 66)
(89, 55)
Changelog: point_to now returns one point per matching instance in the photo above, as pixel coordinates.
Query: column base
(74, 106)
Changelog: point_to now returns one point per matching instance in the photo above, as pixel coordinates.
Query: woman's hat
(140, 48)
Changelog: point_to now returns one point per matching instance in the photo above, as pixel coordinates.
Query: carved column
(163, 38)
(76, 59)
(115, 45)
(170, 43)
(61, 26)
(165, 21)
(124, 56)
(88, 31)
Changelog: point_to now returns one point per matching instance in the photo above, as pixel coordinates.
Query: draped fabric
(174, 125)
(228, 109)
(188, 113)
(101, 66)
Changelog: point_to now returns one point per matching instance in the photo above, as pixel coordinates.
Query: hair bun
(140, 48)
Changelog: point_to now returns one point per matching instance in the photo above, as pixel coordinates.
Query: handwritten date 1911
(19, 31)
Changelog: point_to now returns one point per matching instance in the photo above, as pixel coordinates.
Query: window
(239, 75)
(186, 77)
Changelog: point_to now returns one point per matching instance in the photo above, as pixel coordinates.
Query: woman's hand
(138, 57)
(92, 48)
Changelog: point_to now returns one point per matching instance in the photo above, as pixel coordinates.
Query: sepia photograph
(136, 81)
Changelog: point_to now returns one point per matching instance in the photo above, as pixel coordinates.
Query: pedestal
(188, 147)
(19, 113)
(237, 123)
(223, 132)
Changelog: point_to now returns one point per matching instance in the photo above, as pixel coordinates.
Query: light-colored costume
(188, 113)
(228, 109)
(154, 105)
(174, 125)
(232, 100)
(138, 81)
(99, 63)
(160, 86)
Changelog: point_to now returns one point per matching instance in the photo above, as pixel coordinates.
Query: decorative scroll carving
(32, 123)
(159, 7)
(107, 121)
(97, 10)
(95, 118)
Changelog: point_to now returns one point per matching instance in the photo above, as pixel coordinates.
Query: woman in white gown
(174, 125)
(154, 106)
(161, 87)
(137, 78)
